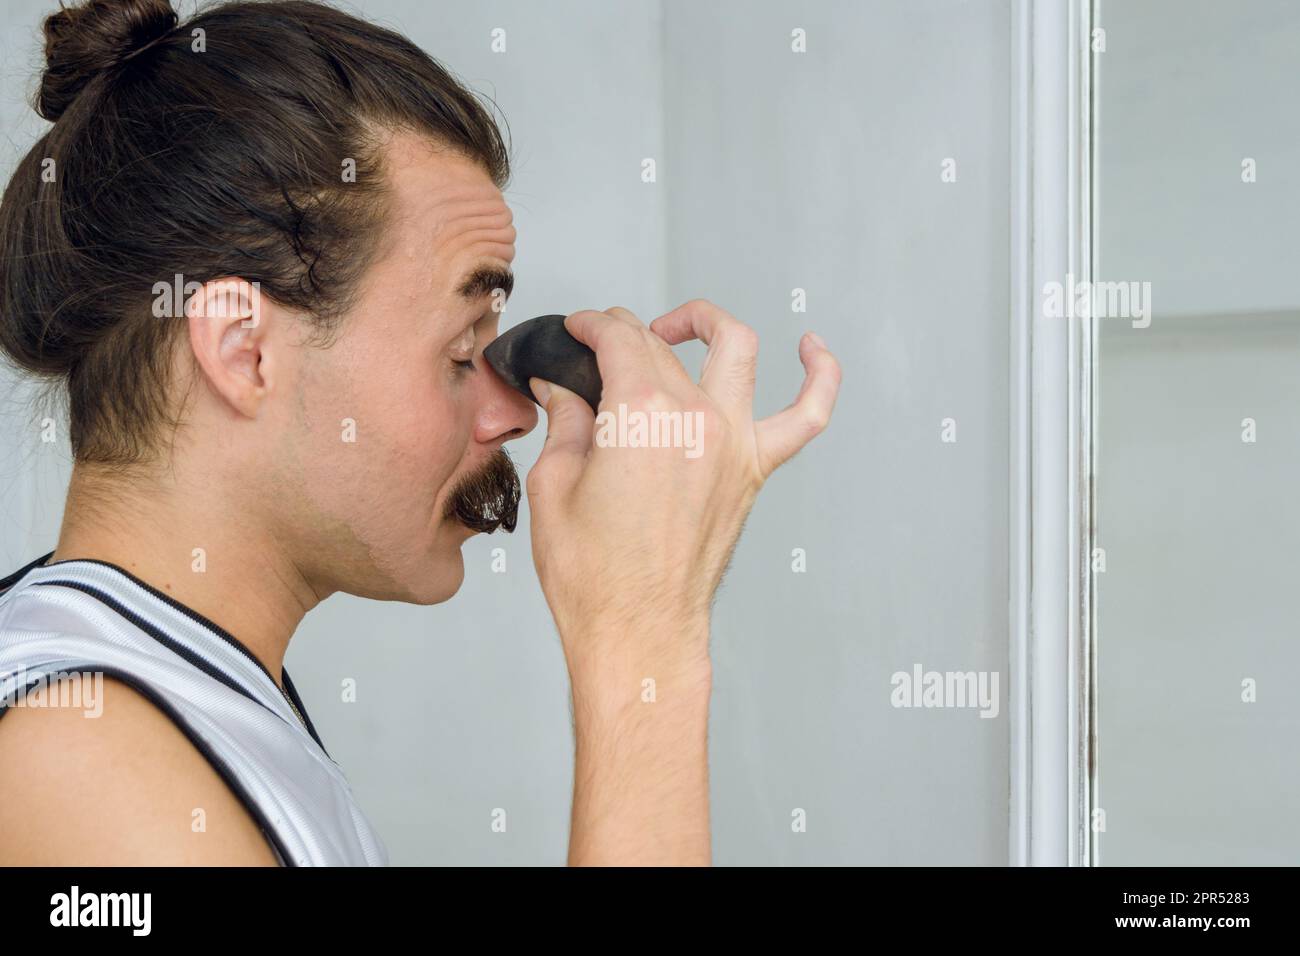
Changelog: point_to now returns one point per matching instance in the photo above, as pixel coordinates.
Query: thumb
(570, 424)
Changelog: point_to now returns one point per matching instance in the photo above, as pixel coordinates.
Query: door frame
(1052, 650)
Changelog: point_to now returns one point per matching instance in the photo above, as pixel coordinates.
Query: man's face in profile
(384, 515)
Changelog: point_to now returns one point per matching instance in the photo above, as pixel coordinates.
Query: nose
(506, 414)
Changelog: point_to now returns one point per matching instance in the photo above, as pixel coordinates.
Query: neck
(213, 558)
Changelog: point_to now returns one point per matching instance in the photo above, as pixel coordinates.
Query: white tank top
(87, 617)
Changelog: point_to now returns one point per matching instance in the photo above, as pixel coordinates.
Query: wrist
(613, 665)
(653, 694)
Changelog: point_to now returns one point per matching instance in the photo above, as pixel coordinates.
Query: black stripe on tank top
(162, 638)
(208, 625)
(155, 632)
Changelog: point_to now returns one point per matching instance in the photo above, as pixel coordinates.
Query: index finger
(623, 353)
(730, 366)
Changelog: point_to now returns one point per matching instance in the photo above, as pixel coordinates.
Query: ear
(228, 323)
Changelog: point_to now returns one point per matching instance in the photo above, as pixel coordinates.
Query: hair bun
(87, 39)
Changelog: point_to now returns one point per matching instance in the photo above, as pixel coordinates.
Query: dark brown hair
(212, 149)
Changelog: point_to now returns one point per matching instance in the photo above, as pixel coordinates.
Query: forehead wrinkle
(453, 221)
(502, 239)
(455, 226)
(490, 243)
(449, 207)
(458, 204)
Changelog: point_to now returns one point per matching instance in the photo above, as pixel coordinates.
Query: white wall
(821, 171)
(1199, 527)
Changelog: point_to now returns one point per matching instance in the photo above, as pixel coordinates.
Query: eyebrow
(485, 280)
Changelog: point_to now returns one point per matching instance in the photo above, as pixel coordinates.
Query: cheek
(384, 432)
(444, 428)
(419, 437)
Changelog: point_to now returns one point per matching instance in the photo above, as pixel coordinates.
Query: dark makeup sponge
(543, 348)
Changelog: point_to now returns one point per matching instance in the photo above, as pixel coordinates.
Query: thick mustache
(488, 498)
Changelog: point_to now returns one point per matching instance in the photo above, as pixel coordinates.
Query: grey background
(1199, 527)
(775, 170)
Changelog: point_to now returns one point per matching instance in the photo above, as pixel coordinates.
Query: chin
(443, 574)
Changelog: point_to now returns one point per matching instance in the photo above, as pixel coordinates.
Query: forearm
(641, 778)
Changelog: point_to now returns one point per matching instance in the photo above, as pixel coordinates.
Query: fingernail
(816, 340)
(541, 388)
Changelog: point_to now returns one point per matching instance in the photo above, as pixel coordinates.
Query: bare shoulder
(126, 787)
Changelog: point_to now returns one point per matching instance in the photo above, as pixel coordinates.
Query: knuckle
(712, 308)
(814, 421)
(746, 368)
(535, 483)
(744, 350)
(606, 331)
(626, 334)
(650, 397)
(658, 400)
(746, 338)
(541, 480)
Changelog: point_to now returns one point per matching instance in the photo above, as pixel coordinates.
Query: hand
(628, 534)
